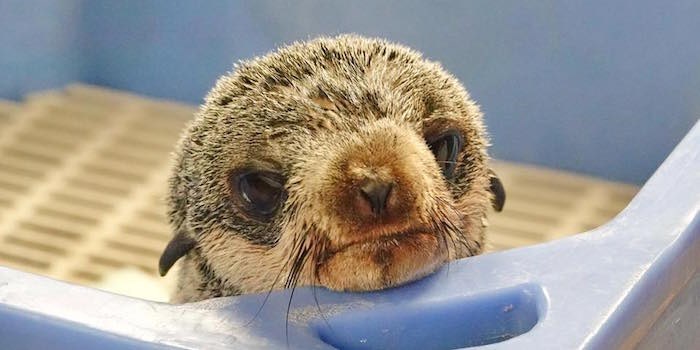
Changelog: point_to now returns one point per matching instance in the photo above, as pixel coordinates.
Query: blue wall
(605, 88)
(38, 41)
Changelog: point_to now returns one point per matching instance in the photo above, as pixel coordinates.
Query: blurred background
(595, 94)
(599, 87)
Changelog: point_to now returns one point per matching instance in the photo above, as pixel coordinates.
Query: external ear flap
(499, 193)
(176, 249)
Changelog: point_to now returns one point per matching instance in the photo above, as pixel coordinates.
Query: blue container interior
(591, 86)
(601, 88)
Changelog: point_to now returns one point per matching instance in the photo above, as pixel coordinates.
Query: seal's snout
(373, 198)
(378, 183)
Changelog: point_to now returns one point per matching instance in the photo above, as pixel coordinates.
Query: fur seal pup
(348, 162)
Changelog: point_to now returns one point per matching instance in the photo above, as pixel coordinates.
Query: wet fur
(325, 113)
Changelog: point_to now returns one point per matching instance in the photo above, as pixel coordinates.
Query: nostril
(376, 193)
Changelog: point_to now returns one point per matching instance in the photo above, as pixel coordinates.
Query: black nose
(376, 193)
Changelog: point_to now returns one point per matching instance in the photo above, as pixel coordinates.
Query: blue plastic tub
(605, 89)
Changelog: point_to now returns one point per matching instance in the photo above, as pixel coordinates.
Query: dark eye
(261, 193)
(446, 148)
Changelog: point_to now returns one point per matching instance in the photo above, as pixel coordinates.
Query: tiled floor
(83, 172)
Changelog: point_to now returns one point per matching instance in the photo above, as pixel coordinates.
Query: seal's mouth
(382, 261)
(386, 240)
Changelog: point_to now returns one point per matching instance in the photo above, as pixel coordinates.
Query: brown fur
(327, 114)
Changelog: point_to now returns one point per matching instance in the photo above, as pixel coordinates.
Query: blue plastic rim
(452, 323)
(632, 282)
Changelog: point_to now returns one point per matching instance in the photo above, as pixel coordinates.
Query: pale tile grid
(83, 173)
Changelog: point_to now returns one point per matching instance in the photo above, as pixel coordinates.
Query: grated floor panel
(83, 171)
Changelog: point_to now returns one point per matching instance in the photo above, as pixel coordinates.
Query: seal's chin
(383, 262)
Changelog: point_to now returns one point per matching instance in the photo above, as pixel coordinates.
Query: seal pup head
(347, 162)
